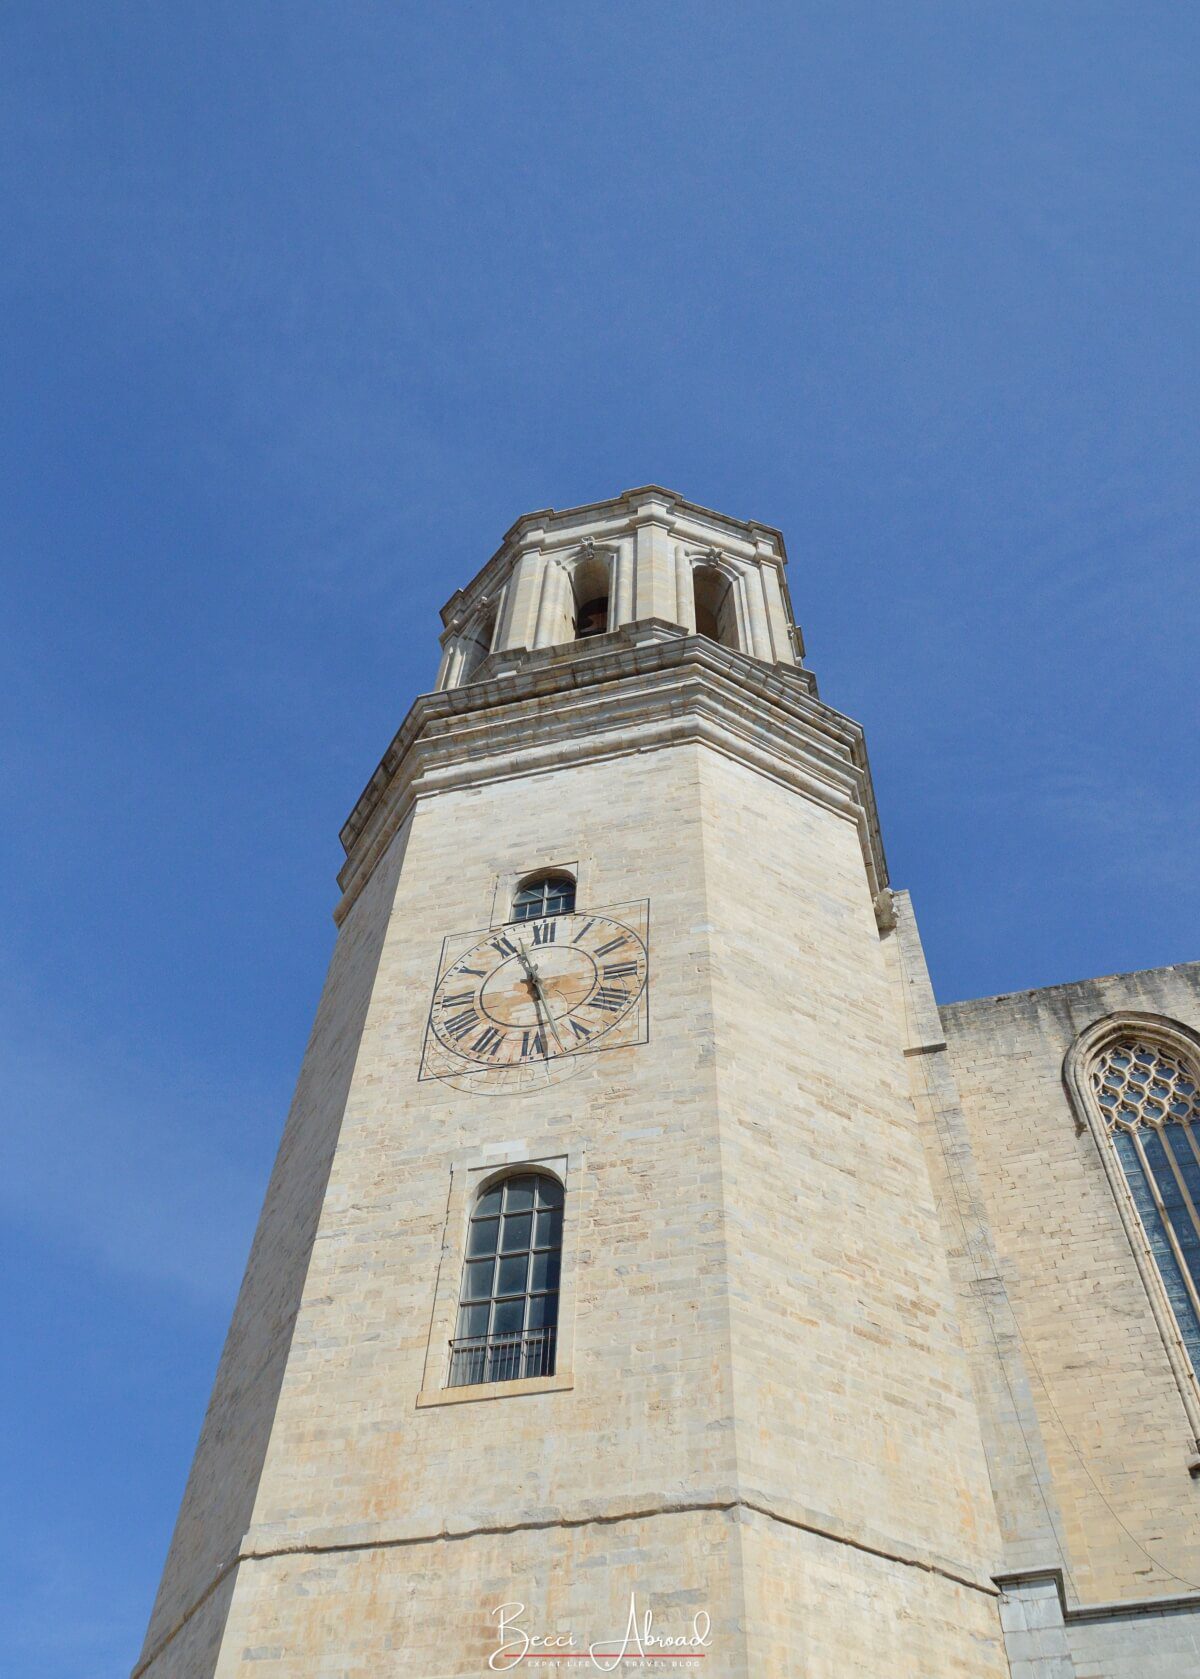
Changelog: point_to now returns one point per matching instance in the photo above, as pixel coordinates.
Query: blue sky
(302, 305)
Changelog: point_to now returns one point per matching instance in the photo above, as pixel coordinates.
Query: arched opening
(716, 607)
(477, 644)
(1134, 1080)
(508, 1303)
(544, 894)
(1150, 1101)
(590, 587)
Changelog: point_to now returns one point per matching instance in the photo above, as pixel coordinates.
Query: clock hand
(540, 1000)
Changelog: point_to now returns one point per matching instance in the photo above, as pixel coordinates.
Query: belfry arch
(647, 557)
(715, 596)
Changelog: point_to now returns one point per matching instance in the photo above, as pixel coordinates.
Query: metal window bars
(501, 1358)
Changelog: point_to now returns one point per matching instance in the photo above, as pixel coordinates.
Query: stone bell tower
(600, 1262)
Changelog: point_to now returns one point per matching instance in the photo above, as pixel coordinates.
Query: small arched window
(1148, 1097)
(508, 1305)
(548, 894)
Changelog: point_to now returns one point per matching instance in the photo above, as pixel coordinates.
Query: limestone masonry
(643, 1233)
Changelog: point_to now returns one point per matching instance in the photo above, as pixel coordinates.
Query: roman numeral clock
(518, 1007)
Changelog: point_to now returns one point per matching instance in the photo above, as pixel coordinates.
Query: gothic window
(1148, 1097)
(508, 1305)
(548, 894)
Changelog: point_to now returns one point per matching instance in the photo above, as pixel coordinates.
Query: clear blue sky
(302, 305)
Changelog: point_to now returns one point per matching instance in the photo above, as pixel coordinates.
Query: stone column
(621, 605)
(451, 662)
(552, 605)
(654, 585)
(777, 615)
(756, 613)
(521, 602)
(685, 593)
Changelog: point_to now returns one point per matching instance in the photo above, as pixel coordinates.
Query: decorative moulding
(640, 688)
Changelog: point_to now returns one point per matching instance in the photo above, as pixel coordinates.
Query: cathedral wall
(854, 1407)
(647, 1423)
(817, 1610)
(761, 1311)
(414, 1611)
(194, 1647)
(1112, 1642)
(221, 1487)
(1114, 1426)
(1165, 1645)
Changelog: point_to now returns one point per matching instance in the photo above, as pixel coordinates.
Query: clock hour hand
(540, 1000)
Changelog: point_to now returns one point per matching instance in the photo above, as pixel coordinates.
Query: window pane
(548, 1229)
(473, 1320)
(543, 1311)
(482, 1237)
(508, 1316)
(518, 1195)
(554, 895)
(488, 1204)
(1168, 1266)
(513, 1275)
(1188, 1164)
(1173, 1201)
(516, 1233)
(549, 1192)
(477, 1279)
(545, 1269)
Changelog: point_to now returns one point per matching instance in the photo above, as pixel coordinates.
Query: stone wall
(221, 1488)
(1109, 1407)
(766, 1415)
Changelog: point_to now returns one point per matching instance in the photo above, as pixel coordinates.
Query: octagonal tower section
(757, 1421)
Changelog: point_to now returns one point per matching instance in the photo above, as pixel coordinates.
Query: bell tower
(599, 1274)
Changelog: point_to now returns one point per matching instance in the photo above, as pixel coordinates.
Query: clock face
(517, 1006)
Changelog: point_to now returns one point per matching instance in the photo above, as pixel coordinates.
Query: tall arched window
(716, 606)
(508, 1305)
(547, 894)
(478, 644)
(1147, 1094)
(590, 587)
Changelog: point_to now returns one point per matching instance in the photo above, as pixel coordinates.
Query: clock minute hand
(541, 1001)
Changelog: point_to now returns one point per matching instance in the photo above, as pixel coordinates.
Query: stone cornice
(640, 688)
(554, 527)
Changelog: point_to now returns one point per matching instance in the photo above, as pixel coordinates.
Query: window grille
(1151, 1110)
(508, 1310)
(553, 894)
